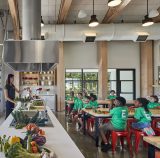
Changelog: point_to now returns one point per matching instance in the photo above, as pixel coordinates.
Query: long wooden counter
(57, 138)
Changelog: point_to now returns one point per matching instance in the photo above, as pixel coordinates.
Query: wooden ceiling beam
(113, 12)
(13, 7)
(64, 10)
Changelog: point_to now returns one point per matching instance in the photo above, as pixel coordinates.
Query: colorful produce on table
(23, 100)
(15, 147)
(12, 140)
(100, 111)
(37, 135)
(38, 103)
(21, 119)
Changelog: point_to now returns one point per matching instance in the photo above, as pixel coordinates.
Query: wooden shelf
(41, 78)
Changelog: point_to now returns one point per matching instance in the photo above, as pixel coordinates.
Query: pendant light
(113, 3)
(147, 21)
(42, 22)
(93, 22)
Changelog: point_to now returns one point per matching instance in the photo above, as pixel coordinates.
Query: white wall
(80, 55)
(122, 54)
(125, 54)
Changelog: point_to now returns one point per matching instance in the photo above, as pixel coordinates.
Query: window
(79, 79)
(73, 80)
(123, 82)
(90, 80)
(120, 80)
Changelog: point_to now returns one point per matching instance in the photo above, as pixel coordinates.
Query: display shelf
(38, 78)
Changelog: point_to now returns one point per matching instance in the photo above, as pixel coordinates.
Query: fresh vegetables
(34, 147)
(40, 140)
(29, 143)
(13, 140)
(38, 103)
(4, 145)
(23, 100)
(36, 133)
(17, 151)
(21, 119)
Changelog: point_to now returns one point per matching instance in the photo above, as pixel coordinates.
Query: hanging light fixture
(113, 3)
(147, 21)
(42, 22)
(93, 22)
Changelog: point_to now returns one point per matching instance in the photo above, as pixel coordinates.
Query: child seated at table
(153, 102)
(118, 121)
(70, 99)
(93, 101)
(112, 95)
(142, 116)
(78, 105)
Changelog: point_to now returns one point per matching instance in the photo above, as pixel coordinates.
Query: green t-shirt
(111, 97)
(71, 98)
(119, 117)
(91, 104)
(78, 104)
(152, 105)
(142, 116)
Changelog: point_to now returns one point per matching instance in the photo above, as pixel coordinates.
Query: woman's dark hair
(155, 97)
(112, 91)
(144, 103)
(8, 78)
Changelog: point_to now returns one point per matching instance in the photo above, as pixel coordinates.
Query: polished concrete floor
(87, 145)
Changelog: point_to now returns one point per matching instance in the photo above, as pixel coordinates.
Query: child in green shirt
(142, 114)
(69, 105)
(153, 102)
(78, 105)
(112, 95)
(118, 121)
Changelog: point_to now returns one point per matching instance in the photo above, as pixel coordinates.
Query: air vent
(142, 38)
(90, 39)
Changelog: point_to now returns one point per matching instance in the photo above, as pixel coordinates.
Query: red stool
(154, 126)
(122, 135)
(106, 120)
(90, 122)
(138, 134)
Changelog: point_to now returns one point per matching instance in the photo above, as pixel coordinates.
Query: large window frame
(83, 81)
(116, 80)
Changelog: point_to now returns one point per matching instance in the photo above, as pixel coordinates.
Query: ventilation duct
(31, 53)
(104, 32)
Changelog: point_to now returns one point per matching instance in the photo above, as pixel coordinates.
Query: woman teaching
(9, 93)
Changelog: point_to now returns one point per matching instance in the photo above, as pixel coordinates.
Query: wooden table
(154, 142)
(90, 112)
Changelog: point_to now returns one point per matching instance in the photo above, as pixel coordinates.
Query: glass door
(126, 83)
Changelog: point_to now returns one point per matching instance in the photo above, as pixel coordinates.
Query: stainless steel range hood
(31, 55)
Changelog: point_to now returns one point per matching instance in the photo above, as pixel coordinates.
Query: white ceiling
(134, 12)
(87, 5)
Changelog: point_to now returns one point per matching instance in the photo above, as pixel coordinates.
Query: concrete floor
(87, 145)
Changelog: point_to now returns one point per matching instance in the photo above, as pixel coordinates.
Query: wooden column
(103, 66)
(61, 80)
(146, 68)
(17, 79)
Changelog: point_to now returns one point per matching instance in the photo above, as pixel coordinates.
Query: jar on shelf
(42, 83)
(49, 83)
